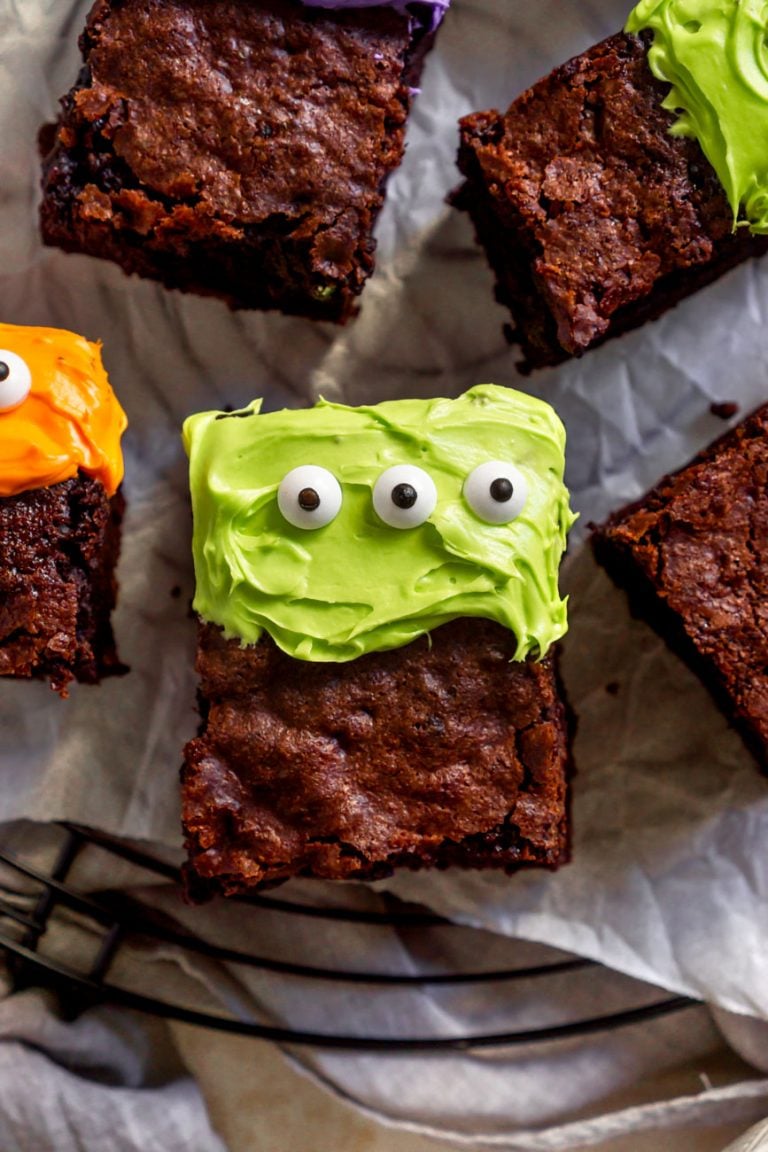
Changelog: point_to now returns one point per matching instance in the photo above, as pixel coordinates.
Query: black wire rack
(117, 920)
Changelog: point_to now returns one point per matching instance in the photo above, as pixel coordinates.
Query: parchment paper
(670, 874)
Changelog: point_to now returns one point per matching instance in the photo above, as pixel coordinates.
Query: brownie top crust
(245, 111)
(338, 769)
(697, 546)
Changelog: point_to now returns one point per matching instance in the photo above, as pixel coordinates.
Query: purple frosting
(427, 12)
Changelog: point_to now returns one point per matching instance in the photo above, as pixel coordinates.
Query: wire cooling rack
(27, 918)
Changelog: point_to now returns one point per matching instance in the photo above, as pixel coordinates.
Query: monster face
(58, 412)
(342, 531)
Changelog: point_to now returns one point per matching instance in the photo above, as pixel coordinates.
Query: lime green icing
(356, 585)
(713, 53)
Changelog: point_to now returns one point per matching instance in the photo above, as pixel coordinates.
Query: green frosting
(713, 53)
(357, 585)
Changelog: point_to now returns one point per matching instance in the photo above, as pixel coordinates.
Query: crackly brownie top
(342, 531)
(58, 413)
(247, 109)
(339, 766)
(713, 53)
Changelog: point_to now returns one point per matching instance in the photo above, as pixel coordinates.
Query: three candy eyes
(310, 496)
(403, 497)
(15, 380)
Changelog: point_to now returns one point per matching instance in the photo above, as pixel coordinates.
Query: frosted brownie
(693, 556)
(379, 610)
(238, 150)
(60, 507)
(594, 217)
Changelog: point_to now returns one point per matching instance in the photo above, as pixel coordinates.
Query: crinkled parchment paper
(670, 871)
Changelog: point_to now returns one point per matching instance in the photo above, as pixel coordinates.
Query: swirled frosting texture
(426, 12)
(713, 53)
(356, 585)
(70, 420)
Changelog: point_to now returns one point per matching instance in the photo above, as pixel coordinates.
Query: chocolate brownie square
(238, 150)
(593, 216)
(444, 752)
(693, 556)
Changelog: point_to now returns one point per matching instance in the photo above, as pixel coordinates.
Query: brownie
(445, 751)
(693, 555)
(238, 150)
(594, 218)
(58, 550)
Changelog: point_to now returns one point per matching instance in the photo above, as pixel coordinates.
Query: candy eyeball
(496, 492)
(309, 497)
(15, 380)
(404, 496)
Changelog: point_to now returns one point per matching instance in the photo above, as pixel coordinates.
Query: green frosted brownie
(379, 610)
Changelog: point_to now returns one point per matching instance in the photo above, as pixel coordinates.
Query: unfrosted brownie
(238, 150)
(439, 753)
(60, 507)
(593, 216)
(693, 556)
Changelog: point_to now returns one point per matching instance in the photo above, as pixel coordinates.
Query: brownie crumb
(724, 410)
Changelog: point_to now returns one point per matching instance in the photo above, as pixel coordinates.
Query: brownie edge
(693, 557)
(444, 752)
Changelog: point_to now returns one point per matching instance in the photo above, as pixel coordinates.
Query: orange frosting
(70, 420)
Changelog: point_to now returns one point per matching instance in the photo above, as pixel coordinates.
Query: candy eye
(496, 492)
(15, 380)
(404, 496)
(309, 497)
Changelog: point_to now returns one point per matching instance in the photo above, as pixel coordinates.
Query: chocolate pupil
(404, 496)
(4, 371)
(309, 500)
(502, 490)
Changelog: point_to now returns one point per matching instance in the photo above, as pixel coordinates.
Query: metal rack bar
(126, 920)
(389, 919)
(139, 919)
(12, 913)
(59, 974)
